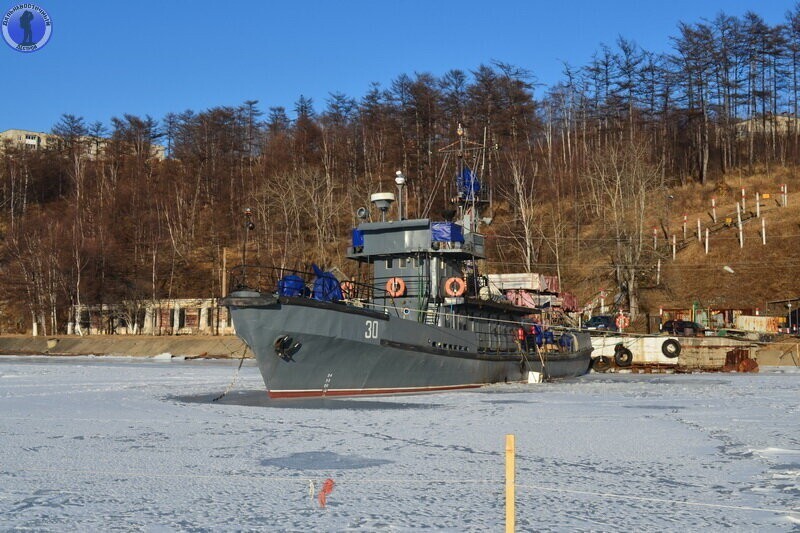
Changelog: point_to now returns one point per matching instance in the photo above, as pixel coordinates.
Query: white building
(183, 316)
(34, 140)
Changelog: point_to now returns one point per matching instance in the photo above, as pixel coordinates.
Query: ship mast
(468, 196)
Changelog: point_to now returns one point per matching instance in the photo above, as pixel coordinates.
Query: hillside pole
(758, 205)
(658, 273)
(763, 232)
(714, 209)
(674, 246)
(739, 224)
(743, 199)
(685, 219)
(706, 240)
(699, 235)
(224, 271)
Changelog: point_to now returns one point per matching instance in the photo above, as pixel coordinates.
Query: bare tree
(625, 182)
(520, 193)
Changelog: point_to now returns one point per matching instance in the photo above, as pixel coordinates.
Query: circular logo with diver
(26, 27)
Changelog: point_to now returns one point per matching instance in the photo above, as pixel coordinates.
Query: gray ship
(419, 318)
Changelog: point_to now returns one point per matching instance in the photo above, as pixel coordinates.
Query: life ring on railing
(348, 289)
(455, 287)
(623, 321)
(395, 287)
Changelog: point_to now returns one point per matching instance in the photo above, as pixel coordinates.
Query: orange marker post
(510, 483)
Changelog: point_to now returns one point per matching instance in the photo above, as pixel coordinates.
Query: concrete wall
(125, 345)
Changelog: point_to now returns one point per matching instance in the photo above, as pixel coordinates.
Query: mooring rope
(235, 374)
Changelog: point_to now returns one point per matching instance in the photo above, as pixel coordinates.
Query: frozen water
(121, 443)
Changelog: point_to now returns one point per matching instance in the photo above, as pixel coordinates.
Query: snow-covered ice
(121, 443)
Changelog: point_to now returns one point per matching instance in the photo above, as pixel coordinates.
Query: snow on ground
(118, 443)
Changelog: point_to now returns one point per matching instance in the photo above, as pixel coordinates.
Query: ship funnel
(382, 200)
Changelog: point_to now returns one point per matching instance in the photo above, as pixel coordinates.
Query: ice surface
(120, 443)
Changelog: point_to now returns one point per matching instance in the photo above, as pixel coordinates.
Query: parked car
(682, 327)
(601, 322)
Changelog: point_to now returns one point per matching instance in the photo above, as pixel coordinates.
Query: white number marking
(372, 329)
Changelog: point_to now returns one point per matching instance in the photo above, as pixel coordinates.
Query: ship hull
(306, 348)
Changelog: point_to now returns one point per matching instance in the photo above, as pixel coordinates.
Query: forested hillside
(580, 171)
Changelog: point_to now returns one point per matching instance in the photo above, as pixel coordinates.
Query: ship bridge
(379, 240)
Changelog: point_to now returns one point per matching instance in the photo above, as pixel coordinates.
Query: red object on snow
(326, 489)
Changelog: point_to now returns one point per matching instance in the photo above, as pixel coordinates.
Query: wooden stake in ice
(510, 483)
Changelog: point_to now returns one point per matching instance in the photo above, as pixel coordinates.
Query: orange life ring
(348, 289)
(459, 289)
(395, 287)
(623, 321)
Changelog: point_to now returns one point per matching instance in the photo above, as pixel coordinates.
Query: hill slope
(756, 273)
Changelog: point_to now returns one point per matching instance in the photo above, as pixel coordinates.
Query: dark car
(601, 322)
(682, 327)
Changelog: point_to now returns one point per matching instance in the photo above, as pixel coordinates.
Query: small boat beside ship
(662, 352)
(416, 319)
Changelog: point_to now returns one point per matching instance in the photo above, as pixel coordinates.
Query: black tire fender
(671, 348)
(623, 357)
(601, 364)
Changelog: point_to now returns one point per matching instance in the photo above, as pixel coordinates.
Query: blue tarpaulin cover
(358, 238)
(326, 286)
(446, 232)
(291, 285)
(468, 185)
(566, 341)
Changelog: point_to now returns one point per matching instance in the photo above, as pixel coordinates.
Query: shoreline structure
(783, 353)
(189, 346)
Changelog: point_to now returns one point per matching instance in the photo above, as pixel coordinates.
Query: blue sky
(152, 57)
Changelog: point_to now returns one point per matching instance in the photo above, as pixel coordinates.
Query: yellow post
(510, 484)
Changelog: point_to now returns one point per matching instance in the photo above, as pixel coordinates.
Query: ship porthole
(406, 310)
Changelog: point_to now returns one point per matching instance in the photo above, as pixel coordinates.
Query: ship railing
(500, 335)
(295, 282)
(494, 334)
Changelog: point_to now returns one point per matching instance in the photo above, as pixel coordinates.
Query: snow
(120, 443)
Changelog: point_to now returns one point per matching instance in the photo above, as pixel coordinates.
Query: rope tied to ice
(235, 374)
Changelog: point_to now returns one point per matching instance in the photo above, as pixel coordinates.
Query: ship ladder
(540, 353)
(431, 314)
